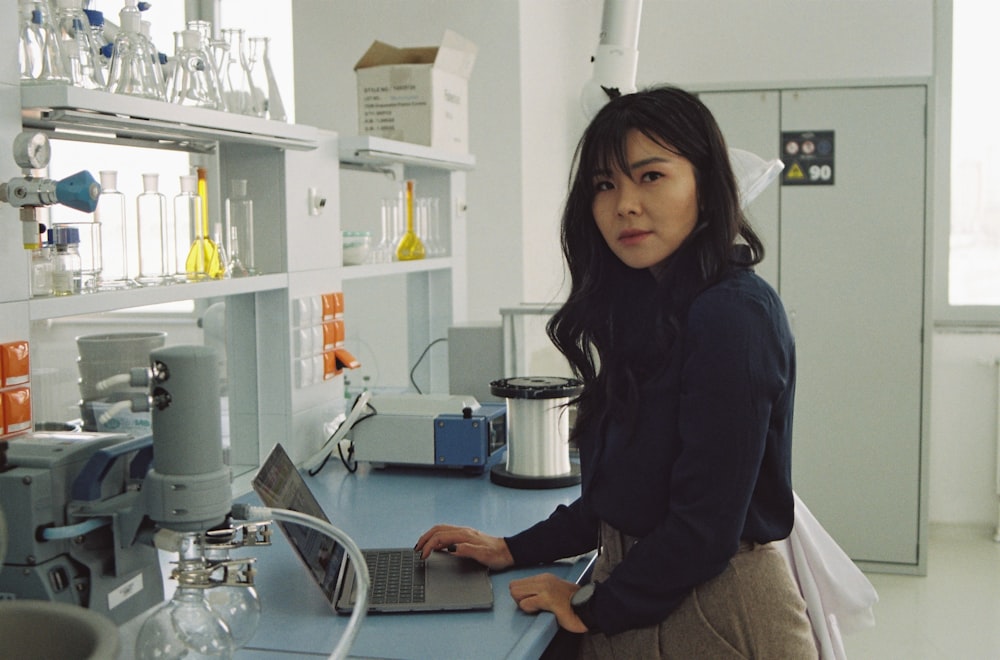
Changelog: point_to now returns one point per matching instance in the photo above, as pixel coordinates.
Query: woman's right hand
(491, 551)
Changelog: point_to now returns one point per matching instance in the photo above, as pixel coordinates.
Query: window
(974, 249)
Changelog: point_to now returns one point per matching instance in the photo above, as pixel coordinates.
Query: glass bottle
(265, 84)
(115, 250)
(239, 230)
(192, 83)
(151, 211)
(41, 272)
(39, 54)
(189, 232)
(132, 70)
(81, 58)
(234, 69)
(66, 263)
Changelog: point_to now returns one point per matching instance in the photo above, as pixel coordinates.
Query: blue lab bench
(391, 508)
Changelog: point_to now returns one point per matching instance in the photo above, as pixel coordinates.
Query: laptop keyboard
(397, 577)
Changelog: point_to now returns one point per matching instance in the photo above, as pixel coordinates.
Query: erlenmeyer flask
(81, 58)
(234, 69)
(38, 46)
(131, 71)
(264, 81)
(193, 82)
(204, 28)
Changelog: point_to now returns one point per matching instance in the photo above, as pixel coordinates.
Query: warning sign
(808, 157)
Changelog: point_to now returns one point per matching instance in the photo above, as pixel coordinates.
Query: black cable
(340, 451)
(419, 359)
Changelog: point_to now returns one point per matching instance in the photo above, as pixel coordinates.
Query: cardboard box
(417, 95)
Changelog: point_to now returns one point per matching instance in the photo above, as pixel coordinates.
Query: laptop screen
(280, 486)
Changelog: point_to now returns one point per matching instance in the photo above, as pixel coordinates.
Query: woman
(684, 422)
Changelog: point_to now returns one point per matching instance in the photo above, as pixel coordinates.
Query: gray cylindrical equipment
(537, 432)
(189, 487)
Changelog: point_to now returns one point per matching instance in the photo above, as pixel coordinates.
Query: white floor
(952, 613)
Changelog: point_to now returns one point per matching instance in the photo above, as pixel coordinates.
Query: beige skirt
(752, 610)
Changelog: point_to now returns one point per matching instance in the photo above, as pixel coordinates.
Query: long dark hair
(618, 323)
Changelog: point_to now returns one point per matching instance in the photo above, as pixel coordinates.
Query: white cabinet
(298, 253)
(850, 262)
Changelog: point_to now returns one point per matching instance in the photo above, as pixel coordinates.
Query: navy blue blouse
(709, 463)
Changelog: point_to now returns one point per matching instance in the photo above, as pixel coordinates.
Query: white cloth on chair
(839, 598)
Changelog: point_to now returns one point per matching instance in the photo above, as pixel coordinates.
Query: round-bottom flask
(186, 627)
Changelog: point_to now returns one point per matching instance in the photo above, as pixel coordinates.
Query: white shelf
(365, 271)
(106, 301)
(99, 114)
(368, 151)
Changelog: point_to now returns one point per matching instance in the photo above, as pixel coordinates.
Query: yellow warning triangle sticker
(796, 172)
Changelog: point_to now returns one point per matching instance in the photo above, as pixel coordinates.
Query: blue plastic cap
(79, 191)
(143, 6)
(62, 235)
(107, 49)
(95, 17)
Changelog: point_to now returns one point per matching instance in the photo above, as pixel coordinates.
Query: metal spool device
(537, 432)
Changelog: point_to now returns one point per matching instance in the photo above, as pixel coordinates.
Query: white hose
(260, 514)
(112, 381)
(113, 410)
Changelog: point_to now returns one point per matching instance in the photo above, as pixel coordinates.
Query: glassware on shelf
(115, 250)
(189, 234)
(80, 53)
(41, 272)
(225, 263)
(216, 269)
(237, 84)
(385, 249)
(410, 247)
(204, 28)
(101, 41)
(193, 82)
(39, 52)
(151, 211)
(159, 59)
(134, 68)
(89, 249)
(64, 245)
(264, 82)
(240, 230)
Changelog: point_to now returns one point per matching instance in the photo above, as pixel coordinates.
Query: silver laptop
(401, 581)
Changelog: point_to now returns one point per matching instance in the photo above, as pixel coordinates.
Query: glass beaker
(234, 69)
(265, 84)
(38, 46)
(81, 57)
(151, 209)
(132, 65)
(193, 83)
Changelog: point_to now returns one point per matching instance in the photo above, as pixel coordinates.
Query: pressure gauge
(32, 150)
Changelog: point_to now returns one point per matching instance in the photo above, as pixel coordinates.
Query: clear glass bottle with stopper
(39, 53)
(81, 55)
(115, 248)
(66, 262)
(151, 211)
(131, 70)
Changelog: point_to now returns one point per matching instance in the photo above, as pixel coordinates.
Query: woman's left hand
(547, 592)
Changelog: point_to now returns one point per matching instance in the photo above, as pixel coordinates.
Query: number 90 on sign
(820, 173)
